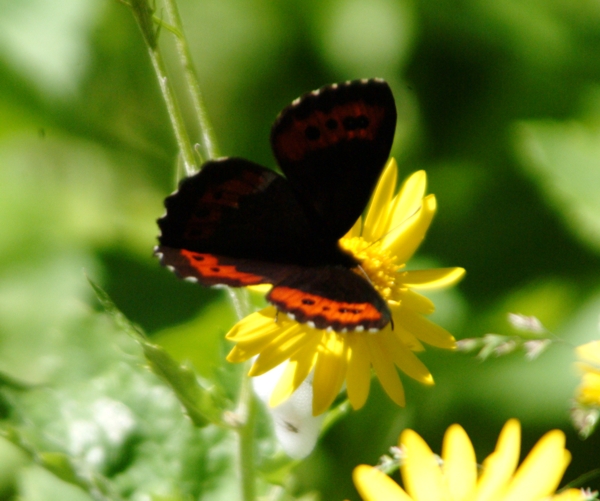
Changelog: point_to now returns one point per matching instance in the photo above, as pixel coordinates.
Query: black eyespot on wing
(312, 133)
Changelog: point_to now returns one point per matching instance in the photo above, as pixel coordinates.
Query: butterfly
(238, 223)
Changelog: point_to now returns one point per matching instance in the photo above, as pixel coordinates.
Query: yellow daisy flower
(588, 393)
(392, 230)
(456, 478)
(585, 412)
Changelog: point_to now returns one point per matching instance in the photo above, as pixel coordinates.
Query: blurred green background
(498, 101)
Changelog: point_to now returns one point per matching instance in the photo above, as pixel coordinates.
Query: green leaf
(63, 467)
(60, 465)
(200, 404)
(197, 401)
(13, 382)
(111, 427)
(200, 340)
(121, 321)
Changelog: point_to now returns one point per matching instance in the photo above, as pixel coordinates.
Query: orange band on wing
(211, 270)
(324, 311)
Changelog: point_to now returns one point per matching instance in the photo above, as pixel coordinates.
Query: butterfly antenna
(364, 273)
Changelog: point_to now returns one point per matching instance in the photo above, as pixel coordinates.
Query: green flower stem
(143, 15)
(208, 140)
(183, 140)
(246, 412)
(336, 414)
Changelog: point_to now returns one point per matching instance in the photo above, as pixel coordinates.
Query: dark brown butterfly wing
(238, 209)
(237, 223)
(332, 145)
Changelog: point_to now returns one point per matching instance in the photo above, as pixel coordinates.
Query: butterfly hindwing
(210, 269)
(325, 297)
(330, 297)
(332, 145)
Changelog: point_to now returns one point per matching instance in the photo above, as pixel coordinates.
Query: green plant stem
(246, 411)
(144, 16)
(208, 140)
(181, 135)
(335, 414)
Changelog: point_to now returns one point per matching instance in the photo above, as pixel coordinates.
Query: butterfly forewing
(239, 209)
(332, 145)
(237, 223)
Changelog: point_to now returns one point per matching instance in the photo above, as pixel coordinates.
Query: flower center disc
(377, 263)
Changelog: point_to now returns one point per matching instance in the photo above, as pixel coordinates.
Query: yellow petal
(416, 302)
(237, 355)
(260, 288)
(409, 199)
(405, 359)
(499, 466)
(330, 372)
(358, 378)
(423, 329)
(374, 485)
(296, 370)
(386, 371)
(432, 279)
(587, 368)
(378, 215)
(258, 323)
(286, 384)
(282, 347)
(403, 335)
(589, 352)
(541, 472)
(265, 340)
(420, 471)
(356, 229)
(404, 239)
(460, 464)
(588, 392)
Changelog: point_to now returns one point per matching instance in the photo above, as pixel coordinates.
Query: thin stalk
(207, 136)
(144, 16)
(246, 412)
(183, 140)
(335, 414)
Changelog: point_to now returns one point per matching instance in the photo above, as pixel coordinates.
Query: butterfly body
(237, 223)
